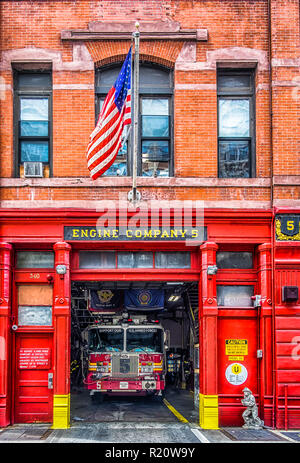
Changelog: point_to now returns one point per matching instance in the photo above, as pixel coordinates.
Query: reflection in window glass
(235, 296)
(155, 126)
(231, 260)
(97, 259)
(34, 117)
(135, 259)
(106, 340)
(35, 151)
(234, 118)
(35, 259)
(157, 106)
(234, 159)
(172, 260)
(35, 315)
(155, 137)
(144, 340)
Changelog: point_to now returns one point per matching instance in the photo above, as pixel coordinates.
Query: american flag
(106, 138)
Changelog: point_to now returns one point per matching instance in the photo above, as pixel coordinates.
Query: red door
(237, 366)
(33, 379)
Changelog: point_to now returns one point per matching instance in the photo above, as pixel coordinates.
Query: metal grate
(125, 365)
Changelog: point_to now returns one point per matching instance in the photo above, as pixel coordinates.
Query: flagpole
(136, 36)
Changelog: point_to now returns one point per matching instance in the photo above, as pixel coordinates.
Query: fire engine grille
(125, 366)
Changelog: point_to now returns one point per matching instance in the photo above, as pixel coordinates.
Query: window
(32, 115)
(155, 113)
(35, 259)
(175, 259)
(135, 259)
(97, 259)
(234, 260)
(235, 296)
(236, 140)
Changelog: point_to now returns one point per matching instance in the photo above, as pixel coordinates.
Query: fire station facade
(218, 150)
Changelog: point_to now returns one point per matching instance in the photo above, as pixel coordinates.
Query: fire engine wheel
(97, 398)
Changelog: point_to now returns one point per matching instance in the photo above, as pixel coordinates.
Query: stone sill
(286, 180)
(119, 182)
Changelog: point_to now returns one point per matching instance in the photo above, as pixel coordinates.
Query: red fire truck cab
(125, 356)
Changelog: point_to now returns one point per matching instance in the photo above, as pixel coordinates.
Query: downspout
(273, 218)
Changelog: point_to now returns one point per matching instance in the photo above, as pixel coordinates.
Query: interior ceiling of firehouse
(184, 292)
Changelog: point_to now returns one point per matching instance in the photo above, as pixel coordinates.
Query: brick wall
(237, 31)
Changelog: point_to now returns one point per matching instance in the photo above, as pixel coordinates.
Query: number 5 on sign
(290, 225)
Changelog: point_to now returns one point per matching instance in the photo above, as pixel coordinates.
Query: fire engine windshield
(106, 340)
(144, 340)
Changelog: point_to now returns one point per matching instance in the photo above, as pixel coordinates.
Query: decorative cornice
(84, 35)
(119, 182)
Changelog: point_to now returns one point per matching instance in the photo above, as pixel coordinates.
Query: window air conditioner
(33, 169)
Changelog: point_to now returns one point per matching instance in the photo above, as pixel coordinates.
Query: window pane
(234, 159)
(35, 259)
(34, 129)
(155, 126)
(119, 167)
(34, 117)
(172, 260)
(35, 151)
(34, 109)
(155, 150)
(234, 118)
(155, 169)
(235, 296)
(155, 107)
(228, 259)
(135, 260)
(35, 315)
(234, 82)
(34, 80)
(95, 259)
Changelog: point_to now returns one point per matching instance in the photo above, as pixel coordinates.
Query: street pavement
(136, 420)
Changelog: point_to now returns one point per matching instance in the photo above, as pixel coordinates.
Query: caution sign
(236, 347)
(236, 374)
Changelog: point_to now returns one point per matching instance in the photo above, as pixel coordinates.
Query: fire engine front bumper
(127, 385)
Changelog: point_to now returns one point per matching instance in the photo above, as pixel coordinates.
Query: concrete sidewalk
(136, 433)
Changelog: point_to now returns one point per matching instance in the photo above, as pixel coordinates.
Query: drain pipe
(273, 217)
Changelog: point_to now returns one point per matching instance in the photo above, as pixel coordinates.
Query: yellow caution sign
(236, 346)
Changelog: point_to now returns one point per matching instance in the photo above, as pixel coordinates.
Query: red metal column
(61, 312)
(265, 333)
(208, 384)
(5, 336)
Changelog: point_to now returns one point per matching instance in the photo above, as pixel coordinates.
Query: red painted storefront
(272, 327)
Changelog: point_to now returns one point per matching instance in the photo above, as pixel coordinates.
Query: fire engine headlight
(147, 369)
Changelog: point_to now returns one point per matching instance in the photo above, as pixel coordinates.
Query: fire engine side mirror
(167, 339)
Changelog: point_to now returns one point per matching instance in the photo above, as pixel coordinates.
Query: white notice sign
(236, 374)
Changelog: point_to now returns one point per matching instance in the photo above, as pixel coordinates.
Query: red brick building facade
(229, 72)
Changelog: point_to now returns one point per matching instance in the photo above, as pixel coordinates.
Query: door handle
(50, 380)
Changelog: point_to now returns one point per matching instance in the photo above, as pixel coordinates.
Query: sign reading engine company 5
(89, 233)
(287, 227)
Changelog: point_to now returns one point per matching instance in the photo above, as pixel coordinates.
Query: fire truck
(125, 355)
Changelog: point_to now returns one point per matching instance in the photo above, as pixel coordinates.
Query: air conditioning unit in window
(33, 169)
